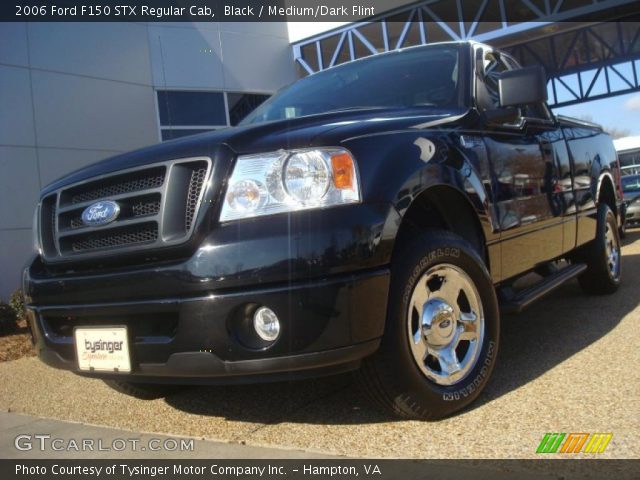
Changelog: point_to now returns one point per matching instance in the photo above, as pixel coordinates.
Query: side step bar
(527, 296)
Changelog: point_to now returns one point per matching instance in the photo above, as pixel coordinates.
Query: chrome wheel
(612, 251)
(445, 324)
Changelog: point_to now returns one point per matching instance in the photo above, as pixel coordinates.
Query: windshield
(426, 76)
(631, 183)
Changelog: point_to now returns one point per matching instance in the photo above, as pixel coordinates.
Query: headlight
(289, 181)
(306, 176)
(35, 233)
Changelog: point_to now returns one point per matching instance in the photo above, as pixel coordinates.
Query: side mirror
(502, 115)
(523, 86)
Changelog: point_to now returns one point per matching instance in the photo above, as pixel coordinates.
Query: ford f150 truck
(375, 216)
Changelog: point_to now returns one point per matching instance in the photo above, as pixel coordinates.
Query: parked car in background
(631, 190)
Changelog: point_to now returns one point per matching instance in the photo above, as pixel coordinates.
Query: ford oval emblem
(100, 213)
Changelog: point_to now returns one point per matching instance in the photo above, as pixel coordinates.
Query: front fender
(396, 168)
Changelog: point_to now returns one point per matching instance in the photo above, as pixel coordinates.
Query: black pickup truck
(374, 217)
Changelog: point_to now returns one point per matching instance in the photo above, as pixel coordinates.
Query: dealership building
(74, 93)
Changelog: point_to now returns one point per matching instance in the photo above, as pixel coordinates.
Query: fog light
(266, 324)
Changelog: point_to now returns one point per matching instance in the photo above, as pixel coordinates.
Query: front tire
(442, 331)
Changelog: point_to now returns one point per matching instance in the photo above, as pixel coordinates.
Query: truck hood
(327, 129)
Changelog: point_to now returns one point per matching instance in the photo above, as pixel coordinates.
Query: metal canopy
(588, 63)
(584, 60)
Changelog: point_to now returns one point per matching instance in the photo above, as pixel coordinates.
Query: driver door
(530, 166)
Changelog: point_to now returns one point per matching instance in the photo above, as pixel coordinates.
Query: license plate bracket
(102, 349)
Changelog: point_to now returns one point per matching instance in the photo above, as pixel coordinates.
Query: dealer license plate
(103, 349)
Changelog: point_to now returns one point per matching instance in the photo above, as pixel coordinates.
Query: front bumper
(327, 327)
(325, 274)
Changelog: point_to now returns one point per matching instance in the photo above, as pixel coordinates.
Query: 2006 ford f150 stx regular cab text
(371, 217)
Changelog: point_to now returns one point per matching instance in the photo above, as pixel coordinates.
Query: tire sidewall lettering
(477, 382)
(425, 262)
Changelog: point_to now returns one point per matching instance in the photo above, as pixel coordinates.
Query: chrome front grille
(146, 207)
(117, 185)
(198, 176)
(116, 237)
(158, 207)
(132, 207)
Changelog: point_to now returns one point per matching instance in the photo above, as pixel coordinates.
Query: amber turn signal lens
(343, 171)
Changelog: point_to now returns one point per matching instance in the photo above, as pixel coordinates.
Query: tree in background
(614, 132)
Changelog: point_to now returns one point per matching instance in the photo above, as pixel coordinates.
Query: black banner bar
(258, 10)
(317, 469)
(190, 10)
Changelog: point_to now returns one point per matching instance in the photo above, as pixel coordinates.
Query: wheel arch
(605, 192)
(444, 207)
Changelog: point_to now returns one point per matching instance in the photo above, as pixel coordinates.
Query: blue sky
(621, 112)
(300, 30)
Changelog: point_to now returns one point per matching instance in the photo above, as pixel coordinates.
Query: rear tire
(602, 256)
(442, 331)
(142, 391)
